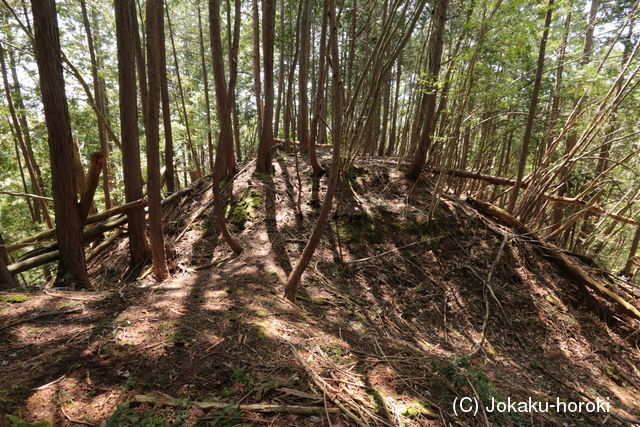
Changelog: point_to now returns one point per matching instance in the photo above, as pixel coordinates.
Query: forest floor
(386, 326)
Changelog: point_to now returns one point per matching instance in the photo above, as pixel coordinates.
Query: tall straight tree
(263, 162)
(155, 44)
(429, 101)
(72, 269)
(129, 127)
(166, 118)
(533, 105)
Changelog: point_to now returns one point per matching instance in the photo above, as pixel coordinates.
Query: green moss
(359, 227)
(14, 298)
(15, 421)
(415, 409)
(244, 208)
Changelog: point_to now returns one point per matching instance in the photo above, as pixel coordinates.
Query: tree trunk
(323, 217)
(533, 105)
(97, 90)
(192, 149)
(205, 82)
(34, 174)
(166, 117)
(124, 15)
(429, 100)
(317, 170)
(224, 119)
(306, 144)
(263, 162)
(255, 20)
(72, 270)
(154, 45)
(632, 253)
(7, 280)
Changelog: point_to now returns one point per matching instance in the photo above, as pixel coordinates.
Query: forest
(348, 212)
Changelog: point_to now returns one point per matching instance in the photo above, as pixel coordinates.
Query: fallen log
(104, 245)
(554, 254)
(252, 407)
(50, 253)
(497, 180)
(49, 234)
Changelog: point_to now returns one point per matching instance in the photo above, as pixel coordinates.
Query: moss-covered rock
(243, 209)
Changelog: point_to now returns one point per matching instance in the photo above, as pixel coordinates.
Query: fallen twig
(253, 407)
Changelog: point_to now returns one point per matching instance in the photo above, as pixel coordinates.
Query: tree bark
(129, 127)
(429, 100)
(154, 45)
(72, 270)
(224, 120)
(255, 20)
(263, 162)
(166, 117)
(336, 128)
(632, 253)
(7, 280)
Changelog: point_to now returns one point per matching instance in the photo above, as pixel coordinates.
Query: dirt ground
(395, 319)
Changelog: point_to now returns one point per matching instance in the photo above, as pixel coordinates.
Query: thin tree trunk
(533, 105)
(316, 169)
(205, 82)
(154, 45)
(72, 270)
(31, 168)
(323, 217)
(97, 90)
(169, 152)
(632, 253)
(125, 34)
(194, 154)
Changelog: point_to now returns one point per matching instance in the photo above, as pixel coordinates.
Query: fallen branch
(104, 245)
(322, 385)
(497, 180)
(254, 407)
(554, 254)
(30, 196)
